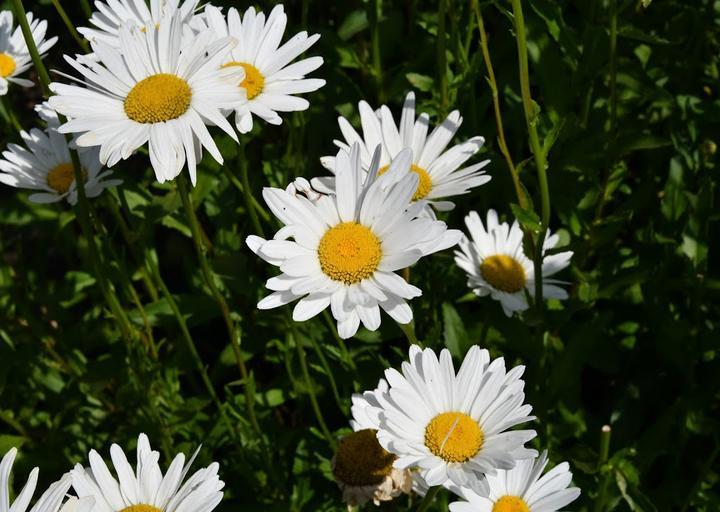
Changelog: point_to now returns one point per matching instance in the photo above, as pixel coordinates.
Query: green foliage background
(636, 346)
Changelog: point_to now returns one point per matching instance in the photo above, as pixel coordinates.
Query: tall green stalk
(600, 500)
(71, 28)
(428, 499)
(250, 203)
(442, 58)
(375, 16)
(21, 16)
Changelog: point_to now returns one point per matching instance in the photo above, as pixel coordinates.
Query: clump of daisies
(14, 55)
(440, 171)
(50, 501)
(343, 250)
(270, 82)
(44, 164)
(496, 265)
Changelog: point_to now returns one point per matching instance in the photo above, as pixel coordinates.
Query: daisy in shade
(14, 55)
(342, 251)
(440, 172)
(496, 264)
(44, 164)
(111, 15)
(160, 89)
(145, 489)
(523, 489)
(362, 468)
(454, 428)
(50, 501)
(270, 82)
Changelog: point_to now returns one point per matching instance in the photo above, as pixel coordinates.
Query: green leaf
(421, 82)
(528, 219)
(456, 338)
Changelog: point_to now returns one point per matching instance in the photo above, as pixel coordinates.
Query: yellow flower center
(158, 98)
(349, 252)
(453, 436)
(424, 185)
(7, 65)
(61, 177)
(141, 508)
(510, 504)
(254, 80)
(503, 272)
(360, 460)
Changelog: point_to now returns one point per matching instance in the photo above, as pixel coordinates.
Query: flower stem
(428, 499)
(85, 4)
(239, 186)
(442, 59)
(374, 17)
(328, 373)
(31, 46)
(247, 191)
(343, 348)
(605, 433)
(71, 28)
(409, 331)
(10, 112)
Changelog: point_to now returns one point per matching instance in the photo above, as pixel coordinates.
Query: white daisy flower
(111, 15)
(50, 501)
(496, 264)
(347, 247)
(145, 489)
(14, 55)
(522, 489)
(454, 427)
(439, 171)
(44, 164)
(158, 89)
(271, 82)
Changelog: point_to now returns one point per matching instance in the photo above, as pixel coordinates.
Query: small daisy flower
(347, 247)
(270, 82)
(160, 89)
(362, 468)
(454, 427)
(523, 489)
(145, 489)
(50, 501)
(14, 55)
(496, 264)
(44, 164)
(111, 15)
(439, 172)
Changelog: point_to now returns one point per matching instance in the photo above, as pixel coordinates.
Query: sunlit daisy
(145, 489)
(50, 501)
(439, 172)
(158, 90)
(345, 248)
(362, 468)
(523, 489)
(111, 15)
(44, 164)
(496, 264)
(14, 55)
(454, 427)
(270, 82)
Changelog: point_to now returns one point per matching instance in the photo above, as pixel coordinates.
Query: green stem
(239, 186)
(442, 59)
(31, 46)
(409, 331)
(310, 385)
(343, 348)
(209, 278)
(375, 16)
(247, 191)
(531, 119)
(85, 4)
(10, 113)
(71, 28)
(428, 499)
(328, 372)
(605, 433)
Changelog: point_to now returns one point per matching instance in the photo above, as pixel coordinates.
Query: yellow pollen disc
(349, 252)
(254, 80)
(7, 65)
(61, 177)
(510, 504)
(424, 185)
(503, 273)
(141, 508)
(158, 98)
(360, 460)
(453, 436)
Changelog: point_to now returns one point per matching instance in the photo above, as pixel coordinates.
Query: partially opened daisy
(495, 262)
(454, 427)
(159, 89)
(50, 501)
(144, 488)
(523, 489)
(440, 172)
(342, 251)
(271, 82)
(44, 164)
(362, 468)
(111, 15)
(14, 55)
